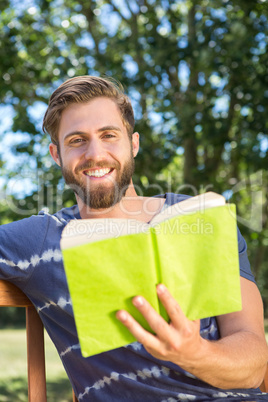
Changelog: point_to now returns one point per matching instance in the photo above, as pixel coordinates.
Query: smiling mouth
(98, 172)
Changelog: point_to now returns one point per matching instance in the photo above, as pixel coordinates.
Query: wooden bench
(264, 385)
(11, 296)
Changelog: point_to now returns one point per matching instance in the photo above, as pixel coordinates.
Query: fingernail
(160, 289)
(138, 301)
(121, 315)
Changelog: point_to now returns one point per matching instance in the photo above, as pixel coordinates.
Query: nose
(95, 150)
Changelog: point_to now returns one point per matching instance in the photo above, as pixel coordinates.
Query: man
(91, 123)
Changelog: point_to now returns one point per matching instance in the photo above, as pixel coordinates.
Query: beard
(100, 196)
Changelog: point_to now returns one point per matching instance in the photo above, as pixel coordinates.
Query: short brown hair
(81, 90)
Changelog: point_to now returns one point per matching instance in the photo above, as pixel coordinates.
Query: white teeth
(98, 173)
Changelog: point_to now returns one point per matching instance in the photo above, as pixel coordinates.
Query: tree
(195, 71)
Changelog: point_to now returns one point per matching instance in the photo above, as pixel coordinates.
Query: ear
(135, 143)
(53, 149)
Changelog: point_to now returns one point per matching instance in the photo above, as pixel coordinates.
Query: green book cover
(191, 247)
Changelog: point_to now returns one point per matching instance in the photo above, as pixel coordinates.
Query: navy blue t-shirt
(30, 257)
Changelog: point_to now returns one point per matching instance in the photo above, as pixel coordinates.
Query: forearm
(236, 361)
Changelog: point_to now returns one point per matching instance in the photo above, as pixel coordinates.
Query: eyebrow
(100, 130)
(109, 128)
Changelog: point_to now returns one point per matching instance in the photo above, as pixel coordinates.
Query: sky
(37, 111)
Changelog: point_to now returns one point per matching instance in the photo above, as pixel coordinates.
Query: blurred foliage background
(196, 72)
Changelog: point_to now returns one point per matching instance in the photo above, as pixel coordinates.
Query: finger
(142, 336)
(172, 308)
(159, 326)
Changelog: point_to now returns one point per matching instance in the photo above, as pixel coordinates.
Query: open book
(191, 247)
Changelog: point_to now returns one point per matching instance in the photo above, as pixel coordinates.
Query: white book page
(82, 231)
(193, 204)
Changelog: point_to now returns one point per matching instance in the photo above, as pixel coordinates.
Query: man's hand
(237, 360)
(178, 341)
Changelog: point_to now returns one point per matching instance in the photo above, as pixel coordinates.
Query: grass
(13, 369)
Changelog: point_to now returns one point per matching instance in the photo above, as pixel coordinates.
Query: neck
(131, 206)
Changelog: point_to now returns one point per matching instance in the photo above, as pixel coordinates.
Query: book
(191, 247)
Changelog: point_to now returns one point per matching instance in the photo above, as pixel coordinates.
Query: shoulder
(26, 226)
(35, 228)
(63, 216)
(30, 243)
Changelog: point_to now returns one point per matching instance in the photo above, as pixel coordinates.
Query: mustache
(102, 164)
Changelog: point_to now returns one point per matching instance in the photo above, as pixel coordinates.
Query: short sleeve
(245, 270)
(21, 243)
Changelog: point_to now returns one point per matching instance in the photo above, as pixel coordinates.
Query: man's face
(95, 153)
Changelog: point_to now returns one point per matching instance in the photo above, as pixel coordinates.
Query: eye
(109, 135)
(75, 141)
